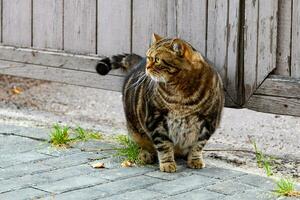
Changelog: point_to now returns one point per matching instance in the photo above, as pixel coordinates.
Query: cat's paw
(146, 157)
(168, 167)
(196, 164)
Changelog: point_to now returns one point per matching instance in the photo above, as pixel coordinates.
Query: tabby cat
(173, 100)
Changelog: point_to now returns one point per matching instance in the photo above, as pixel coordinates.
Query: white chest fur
(184, 132)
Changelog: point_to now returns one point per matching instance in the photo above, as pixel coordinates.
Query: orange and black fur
(173, 100)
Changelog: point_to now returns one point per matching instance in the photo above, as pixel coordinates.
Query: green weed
(129, 150)
(286, 187)
(262, 160)
(84, 135)
(59, 135)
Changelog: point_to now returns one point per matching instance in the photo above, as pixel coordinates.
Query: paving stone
(219, 173)
(252, 195)
(64, 173)
(19, 144)
(71, 160)
(109, 163)
(24, 169)
(121, 173)
(17, 158)
(167, 176)
(26, 193)
(91, 193)
(130, 184)
(72, 183)
(229, 187)
(199, 194)
(137, 195)
(57, 152)
(182, 184)
(20, 182)
(37, 133)
(257, 181)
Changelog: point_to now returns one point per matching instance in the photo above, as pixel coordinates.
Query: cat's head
(169, 59)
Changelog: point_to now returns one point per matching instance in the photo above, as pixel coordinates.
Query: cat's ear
(155, 38)
(183, 50)
(178, 47)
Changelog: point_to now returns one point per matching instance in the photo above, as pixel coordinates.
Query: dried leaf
(16, 90)
(98, 165)
(127, 163)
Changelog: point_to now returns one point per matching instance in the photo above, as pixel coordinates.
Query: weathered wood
(172, 18)
(217, 34)
(250, 47)
(267, 39)
(233, 75)
(53, 59)
(295, 66)
(148, 17)
(191, 23)
(80, 78)
(48, 24)
(280, 86)
(80, 26)
(284, 37)
(17, 22)
(271, 104)
(114, 27)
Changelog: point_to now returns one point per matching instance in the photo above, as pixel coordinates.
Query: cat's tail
(123, 61)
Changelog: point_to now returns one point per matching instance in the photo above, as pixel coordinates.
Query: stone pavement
(31, 169)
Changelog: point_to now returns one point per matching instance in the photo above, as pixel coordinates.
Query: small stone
(98, 165)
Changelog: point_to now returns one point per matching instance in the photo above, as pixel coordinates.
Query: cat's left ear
(183, 50)
(155, 38)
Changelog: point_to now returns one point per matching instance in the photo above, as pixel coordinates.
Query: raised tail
(123, 61)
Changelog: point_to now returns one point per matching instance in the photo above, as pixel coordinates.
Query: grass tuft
(59, 135)
(129, 150)
(262, 160)
(84, 135)
(286, 187)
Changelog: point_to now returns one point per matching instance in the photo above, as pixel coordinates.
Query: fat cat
(173, 101)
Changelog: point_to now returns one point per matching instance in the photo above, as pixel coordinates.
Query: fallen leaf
(16, 90)
(127, 163)
(98, 165)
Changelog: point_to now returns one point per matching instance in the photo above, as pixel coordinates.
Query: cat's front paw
(196, 164)
(168, 167)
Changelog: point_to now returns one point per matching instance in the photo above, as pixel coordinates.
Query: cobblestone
(36, 170)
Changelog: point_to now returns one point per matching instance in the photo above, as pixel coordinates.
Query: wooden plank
(280, 86)
(191, 23)
(48, 24)
(232, 74)
(295, 66)
(277, 105)
(73, 77)
(148, 17)
(284, 37)
(54, 59)
(250, 47)
(114, 27)
(266, 39)
(217, 36)
(80, 26)
(172, 18)
(17, 23)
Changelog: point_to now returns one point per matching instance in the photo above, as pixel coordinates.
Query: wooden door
(276, 89)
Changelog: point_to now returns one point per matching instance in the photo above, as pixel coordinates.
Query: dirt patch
(12, 88)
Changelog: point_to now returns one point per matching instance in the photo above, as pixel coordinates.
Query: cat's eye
(150, 59)
(157, 60)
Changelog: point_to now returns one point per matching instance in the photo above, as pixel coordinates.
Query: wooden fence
(62, 40)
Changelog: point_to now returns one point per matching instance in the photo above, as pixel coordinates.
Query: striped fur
(173, 100)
